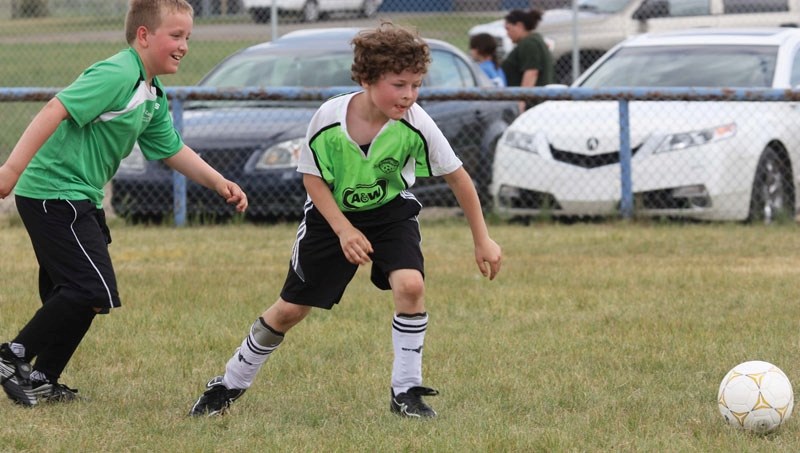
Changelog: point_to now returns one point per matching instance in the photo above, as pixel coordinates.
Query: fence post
(178, 179)
(626, 185)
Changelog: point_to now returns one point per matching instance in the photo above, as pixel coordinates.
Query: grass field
(595, 337)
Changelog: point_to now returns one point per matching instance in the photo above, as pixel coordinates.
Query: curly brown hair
(388, 48)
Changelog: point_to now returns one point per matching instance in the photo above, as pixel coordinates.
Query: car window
(447, 70)
(603, 6)
(794, 79)
(308, 70)
(679, 8)
(686, 66)
(672, 8)
(754, 6)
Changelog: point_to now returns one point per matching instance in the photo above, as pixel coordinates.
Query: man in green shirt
(60, 165)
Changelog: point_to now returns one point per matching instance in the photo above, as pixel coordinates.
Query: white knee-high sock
(256, 348)
(408, 337)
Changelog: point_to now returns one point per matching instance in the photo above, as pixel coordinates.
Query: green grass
(22, 28)
(607, 337)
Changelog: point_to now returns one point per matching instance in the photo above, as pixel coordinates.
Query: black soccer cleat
(15, 376)
(216, 399)
(410, 404)
(53, 392)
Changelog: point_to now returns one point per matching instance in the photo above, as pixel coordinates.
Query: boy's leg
(247, 360)
(408, 328)
(77, 279)
(409, 325)
(317, 277)
(266, 334)
(398, 265)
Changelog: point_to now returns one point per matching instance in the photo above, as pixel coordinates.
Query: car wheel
(311, 11)
(772, 198)
(370, 8)
(260, 15)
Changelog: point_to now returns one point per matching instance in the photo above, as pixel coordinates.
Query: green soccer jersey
(110, 108)
(403, 150)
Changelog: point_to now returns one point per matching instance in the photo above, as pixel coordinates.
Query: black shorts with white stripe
(70, 239)
(319, 272)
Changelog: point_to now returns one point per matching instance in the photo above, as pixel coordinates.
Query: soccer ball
(755, 396)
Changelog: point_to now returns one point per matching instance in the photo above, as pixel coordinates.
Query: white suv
(605, 23)
(310, 10)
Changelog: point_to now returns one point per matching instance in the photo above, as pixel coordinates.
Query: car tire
(369, 8)
(311, 11)
(773, 195)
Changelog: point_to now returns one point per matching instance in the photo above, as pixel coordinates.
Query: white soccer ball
(756, 396)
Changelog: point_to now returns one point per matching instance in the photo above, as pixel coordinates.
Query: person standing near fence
(362, 151)
(58, 169)
(483, 49)
(530, 63)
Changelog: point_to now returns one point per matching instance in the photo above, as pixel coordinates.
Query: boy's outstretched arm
(487, 253)
(38, 131)
(355, 246)
(186, 161)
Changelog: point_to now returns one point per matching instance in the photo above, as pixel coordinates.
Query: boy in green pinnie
(60, 165)
(363, 151)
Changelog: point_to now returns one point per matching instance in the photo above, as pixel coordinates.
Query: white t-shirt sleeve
(442, 158)
(305, 162)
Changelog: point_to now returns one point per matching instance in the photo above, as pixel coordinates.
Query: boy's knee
(95, 298)
(409, 285)
(283, 315)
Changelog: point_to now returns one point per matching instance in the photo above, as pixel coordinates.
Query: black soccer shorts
(319, 272)
(70, 239)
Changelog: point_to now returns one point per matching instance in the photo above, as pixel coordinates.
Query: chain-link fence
(47, 43)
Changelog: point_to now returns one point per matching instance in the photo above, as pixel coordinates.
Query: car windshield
(329, 69)
(603, 6)
(283, 70)
(687, 66)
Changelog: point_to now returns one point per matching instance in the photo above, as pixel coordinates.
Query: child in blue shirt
(483, 49)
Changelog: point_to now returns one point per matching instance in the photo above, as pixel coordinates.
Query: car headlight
(281, 155)
(683, 140)
(134, 162)
(521, 140)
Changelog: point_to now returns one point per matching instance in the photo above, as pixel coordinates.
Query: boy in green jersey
(58, 170)
(363, 150)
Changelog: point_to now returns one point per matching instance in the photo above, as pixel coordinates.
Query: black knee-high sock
(54, 358)
(53, 334)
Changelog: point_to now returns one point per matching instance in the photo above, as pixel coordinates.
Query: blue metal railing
(179, 95)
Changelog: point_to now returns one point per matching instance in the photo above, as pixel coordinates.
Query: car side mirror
(650, 9)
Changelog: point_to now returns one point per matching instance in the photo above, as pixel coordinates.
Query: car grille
(586, 161)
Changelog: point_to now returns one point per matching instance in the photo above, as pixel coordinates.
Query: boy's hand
(355, 245)
(8, 179)
(488, 256)
(233, 194)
